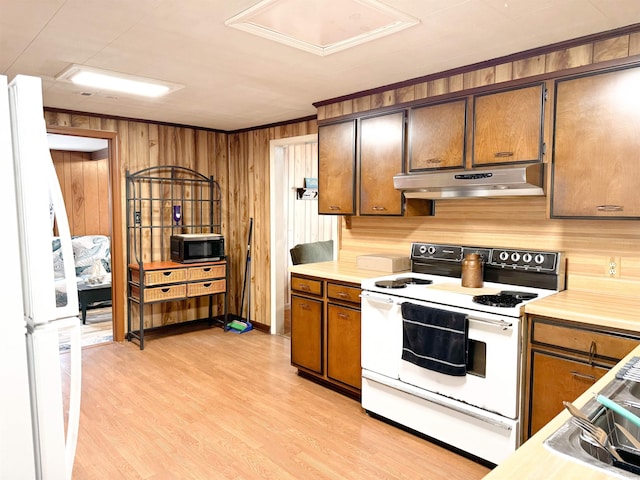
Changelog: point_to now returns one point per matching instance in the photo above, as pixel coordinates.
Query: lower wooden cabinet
(554, 380)
(325, 332)
(306, 333)
(343, 345)
(563, 360)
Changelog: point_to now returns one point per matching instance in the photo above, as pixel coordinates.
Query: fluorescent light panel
(117, 82)
(321, 26)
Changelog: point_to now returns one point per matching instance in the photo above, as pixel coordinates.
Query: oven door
(493, 366)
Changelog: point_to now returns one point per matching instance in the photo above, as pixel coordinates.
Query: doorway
(91, 220)
(294, 217)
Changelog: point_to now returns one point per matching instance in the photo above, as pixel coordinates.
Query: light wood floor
(213, 405)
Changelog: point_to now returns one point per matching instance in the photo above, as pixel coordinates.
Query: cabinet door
(343, 345)
(596, 159)
(437, 134)
(306, 333)
(507, 126)
(337, 168)
(554, 380)
(381, 157)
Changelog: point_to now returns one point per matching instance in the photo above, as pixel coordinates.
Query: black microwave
(197, 247)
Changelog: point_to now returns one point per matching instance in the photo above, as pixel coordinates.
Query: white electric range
(476, 409)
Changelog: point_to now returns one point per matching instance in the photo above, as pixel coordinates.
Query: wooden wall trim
(454, 72)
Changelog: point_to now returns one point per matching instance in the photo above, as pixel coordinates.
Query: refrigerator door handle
(73, 423)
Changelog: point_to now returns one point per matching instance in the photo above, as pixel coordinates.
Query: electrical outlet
(613, 267)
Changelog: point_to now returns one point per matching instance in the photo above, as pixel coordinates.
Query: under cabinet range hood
(514, 180)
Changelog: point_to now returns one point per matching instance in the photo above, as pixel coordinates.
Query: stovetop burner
(414, 281)
(402, 282)
(505, 299)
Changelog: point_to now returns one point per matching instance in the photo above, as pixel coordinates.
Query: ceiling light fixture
(115, 81)
(321, 27)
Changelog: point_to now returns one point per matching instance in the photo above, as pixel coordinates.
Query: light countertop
(341, 271)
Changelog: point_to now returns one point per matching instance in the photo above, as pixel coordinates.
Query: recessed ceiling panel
(321, 27)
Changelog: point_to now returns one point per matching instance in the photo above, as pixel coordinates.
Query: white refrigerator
(38, 436)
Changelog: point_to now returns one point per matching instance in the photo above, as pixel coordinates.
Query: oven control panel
(529, 260)
(524, 259)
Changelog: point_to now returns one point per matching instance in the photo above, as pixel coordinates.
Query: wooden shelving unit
(152, 197)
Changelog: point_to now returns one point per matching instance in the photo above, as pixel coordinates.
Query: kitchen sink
(569, 442)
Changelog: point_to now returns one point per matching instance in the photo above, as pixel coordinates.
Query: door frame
(115, 212)
(277, 251)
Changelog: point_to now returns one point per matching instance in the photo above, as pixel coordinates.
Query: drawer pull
(206, 285)
(165, 290)
(206, 269)
(334, 207)
(304, 306)
(503, 154)
(166, 274)
(305, 287)
(583, 375)
(378, 208)
(343, 294)
(592, 351)
(610, 208)
(343, 315)
(434, 160)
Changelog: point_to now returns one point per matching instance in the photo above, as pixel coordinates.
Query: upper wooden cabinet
(507, 126)
(596, 152)
(437, 136)
(381, 157)
(337, 168)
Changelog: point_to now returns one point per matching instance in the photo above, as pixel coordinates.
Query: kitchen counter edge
(336, 270)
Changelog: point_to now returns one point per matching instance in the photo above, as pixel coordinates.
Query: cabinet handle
(503, 154)
(304, 306)
(592, 351)
(343, 315)
(207, 269)
(304, 287)
(583, 375)
(206, 285)
(378, 208)
(343, 294)
(165, 290)
(334, 207)
(609, 208)
(434, 160)
(166, 274)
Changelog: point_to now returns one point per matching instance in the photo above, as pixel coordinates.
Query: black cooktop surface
(505, 299)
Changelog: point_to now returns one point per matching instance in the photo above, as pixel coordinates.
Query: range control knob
(527, 258)
(503, 256)
(515, 256)
(431, 250)
(539, 258)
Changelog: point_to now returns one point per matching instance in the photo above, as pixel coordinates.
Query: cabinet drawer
(159, 277)
(206, 288)
(343, 292)
(305, 285)
(202, 273)
(157, 294)
(591, 343)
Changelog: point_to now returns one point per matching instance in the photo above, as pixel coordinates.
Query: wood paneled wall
(240, 164)
(85, 189)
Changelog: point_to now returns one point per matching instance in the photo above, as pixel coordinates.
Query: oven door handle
(497, 323)
(378, 298)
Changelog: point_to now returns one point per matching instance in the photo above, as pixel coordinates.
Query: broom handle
(247, 271)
